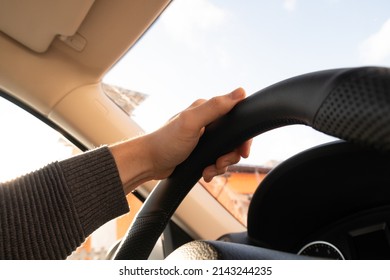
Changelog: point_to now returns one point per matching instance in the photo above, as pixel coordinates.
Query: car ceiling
(59, 46)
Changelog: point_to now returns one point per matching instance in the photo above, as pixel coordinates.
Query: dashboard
(331, 201)
(364, 236)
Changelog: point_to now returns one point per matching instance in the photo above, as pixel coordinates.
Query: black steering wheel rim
(351, 103)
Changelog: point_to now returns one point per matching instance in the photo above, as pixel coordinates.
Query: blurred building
(234, 189)
(126, 99)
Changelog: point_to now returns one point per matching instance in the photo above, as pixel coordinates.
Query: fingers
(223, 162)
(197, 103)
(193, 105)
(245, 148)
(221, 165)
(210, 172)
(204, 112)
(201, 113)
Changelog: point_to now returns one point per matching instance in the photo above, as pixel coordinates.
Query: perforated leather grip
(357, 109)
(353, 104)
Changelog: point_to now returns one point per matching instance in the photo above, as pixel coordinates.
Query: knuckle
(185, 121)
(217, 101)
(185, 118)
(197, 102)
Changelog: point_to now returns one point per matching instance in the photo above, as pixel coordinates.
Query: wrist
(134, 162)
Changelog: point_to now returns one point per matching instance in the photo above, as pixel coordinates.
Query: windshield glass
(201, 48)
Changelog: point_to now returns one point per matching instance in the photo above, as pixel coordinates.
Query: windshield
(201, 48)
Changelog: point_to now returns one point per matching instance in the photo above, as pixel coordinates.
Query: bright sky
(201, 48)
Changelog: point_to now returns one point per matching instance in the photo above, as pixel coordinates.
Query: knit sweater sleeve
(47, 214)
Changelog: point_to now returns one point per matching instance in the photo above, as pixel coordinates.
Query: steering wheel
(351, 103)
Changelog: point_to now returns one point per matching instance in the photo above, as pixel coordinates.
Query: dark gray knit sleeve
(47, 214)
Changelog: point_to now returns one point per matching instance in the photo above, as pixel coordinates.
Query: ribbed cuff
(95, 187)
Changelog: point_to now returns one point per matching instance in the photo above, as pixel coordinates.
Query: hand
(174, 142)
(155, 155)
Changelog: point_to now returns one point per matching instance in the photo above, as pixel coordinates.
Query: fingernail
(237, 94)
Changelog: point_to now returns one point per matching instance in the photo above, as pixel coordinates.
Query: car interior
(330, 201)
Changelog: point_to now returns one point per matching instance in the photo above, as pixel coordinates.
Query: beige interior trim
(36, 23)
(42, 80)
(109, 124)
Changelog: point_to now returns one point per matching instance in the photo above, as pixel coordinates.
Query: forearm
(47, 214)
(96, 188)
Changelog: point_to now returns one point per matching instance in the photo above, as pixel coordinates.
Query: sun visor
(36, 23)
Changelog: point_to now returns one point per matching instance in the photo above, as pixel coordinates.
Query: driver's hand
(155, 155)
(174, 142)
